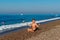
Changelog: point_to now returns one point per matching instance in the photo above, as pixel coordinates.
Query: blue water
(13, 19)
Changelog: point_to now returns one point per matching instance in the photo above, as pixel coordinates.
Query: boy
(34, 26)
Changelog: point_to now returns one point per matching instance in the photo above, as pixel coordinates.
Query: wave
(13, 26)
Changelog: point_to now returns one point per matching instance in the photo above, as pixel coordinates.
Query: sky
(18, 6)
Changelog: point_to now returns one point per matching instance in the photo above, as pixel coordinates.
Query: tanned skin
(33, 26)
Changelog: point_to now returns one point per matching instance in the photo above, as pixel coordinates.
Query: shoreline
(23, 34)
(4, 28)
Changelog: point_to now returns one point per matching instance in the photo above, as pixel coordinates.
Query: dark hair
(33, 19)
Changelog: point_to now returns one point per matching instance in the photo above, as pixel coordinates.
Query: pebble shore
(47, 31)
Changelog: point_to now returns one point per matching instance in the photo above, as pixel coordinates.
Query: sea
(19, 18)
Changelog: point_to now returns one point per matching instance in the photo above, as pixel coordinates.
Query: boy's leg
(30, 30)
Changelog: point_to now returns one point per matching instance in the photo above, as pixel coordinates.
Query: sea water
(13, 19)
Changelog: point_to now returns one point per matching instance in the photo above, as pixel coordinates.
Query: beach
(47, 31)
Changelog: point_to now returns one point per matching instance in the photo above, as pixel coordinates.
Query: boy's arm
(37, 25)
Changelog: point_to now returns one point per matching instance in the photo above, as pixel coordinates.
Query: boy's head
(33, 20)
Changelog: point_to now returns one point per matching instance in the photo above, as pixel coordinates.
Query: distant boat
(56, 15)
(23, 21)
(21, 14)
